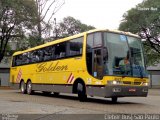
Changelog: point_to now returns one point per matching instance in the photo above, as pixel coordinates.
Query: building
(5, 65)
(4, 73)
(154, 74)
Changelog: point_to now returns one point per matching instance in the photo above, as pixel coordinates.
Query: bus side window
(40, 54)
(34, 57)
(57, 53)
(14, 61)
(98, 66)
(18, 60)
(53, 52)
(75, 46)
(47, 55)
(60, 50)
(105, 60)
(97, 40)
(25, 58)
(89, 53)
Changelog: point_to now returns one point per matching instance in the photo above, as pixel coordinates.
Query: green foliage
(17, 18)
(23, 13)
(70, 26)
(145, 18)
(144, 14)
(151, 55)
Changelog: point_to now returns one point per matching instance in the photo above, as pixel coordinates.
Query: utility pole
(55, 27)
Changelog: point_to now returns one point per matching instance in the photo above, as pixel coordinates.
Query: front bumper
(126, 91)
(118, 91)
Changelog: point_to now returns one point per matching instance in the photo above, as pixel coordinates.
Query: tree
(144, 20)
(15, 18)
(43, 18)
(70, 26)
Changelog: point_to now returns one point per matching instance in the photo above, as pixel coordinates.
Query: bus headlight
(145, 84)
(114, 82)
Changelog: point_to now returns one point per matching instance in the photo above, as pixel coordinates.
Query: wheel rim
(22, 87)
(29, 88)
(81, 92)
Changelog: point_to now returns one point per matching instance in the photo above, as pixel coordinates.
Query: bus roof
(114, 31)
(75, 36)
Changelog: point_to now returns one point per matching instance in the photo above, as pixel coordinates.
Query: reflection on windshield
(137, 58)
(125, 56)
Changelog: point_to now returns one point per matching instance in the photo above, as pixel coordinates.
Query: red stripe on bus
(19, 75)
(69, 78)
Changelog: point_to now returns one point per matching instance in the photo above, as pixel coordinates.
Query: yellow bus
(106, 63)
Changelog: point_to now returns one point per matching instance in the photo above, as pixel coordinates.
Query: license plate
(132, 90)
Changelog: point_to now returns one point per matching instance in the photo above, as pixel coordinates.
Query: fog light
(116, 89)
(114, 82)
(145, 90)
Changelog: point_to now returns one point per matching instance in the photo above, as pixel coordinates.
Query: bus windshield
(125, 56)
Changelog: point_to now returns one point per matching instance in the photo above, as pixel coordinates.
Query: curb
(154, 92)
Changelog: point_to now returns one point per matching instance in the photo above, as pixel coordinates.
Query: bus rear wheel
(22, 87)
(81, 92)
(29, 88)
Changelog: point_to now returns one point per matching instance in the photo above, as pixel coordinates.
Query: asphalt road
(67, 106)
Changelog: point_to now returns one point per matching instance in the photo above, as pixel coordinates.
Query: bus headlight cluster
(114, 82)
(145, 84)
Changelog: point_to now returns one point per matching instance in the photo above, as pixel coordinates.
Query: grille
(127, 82)
(137, 83)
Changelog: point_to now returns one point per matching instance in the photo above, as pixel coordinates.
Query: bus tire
(23, 87)
(56, 93)
(81, 92)
(114, 99)
(29, 88)
(46, 92)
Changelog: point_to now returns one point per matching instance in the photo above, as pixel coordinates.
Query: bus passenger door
(97, 63)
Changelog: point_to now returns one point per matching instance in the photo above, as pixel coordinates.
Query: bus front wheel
(56, 93)
(22, 87)
(46, 92)
(29, 88)
(81, 92)
(114, 99)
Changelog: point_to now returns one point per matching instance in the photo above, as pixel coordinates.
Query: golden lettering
(44, 67)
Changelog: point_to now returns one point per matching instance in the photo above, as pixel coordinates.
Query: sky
(98, 13)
